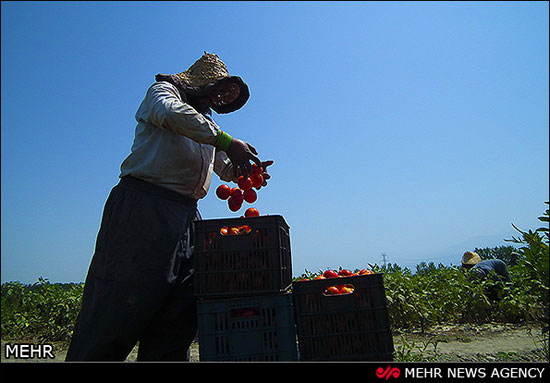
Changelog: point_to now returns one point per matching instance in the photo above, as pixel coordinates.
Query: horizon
(444, 260)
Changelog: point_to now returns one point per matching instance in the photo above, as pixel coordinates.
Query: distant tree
(424, 268)
(504, 253)
(391, 268)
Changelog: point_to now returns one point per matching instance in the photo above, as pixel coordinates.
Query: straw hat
(470, 258)
(210, 71)
(205, 70)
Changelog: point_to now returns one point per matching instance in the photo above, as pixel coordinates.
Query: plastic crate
(351, 326)
(259, 328)
(257, 263)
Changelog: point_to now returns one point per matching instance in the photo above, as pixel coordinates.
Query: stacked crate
(245, 311)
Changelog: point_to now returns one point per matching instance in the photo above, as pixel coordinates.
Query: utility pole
(384, 259)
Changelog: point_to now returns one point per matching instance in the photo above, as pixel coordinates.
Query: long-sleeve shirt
(496, 265)
(173, 145)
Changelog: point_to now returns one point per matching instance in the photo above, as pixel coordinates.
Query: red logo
(388, 372)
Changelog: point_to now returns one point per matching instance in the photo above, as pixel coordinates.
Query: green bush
(42, 311)
(534, 267)
(449, 294)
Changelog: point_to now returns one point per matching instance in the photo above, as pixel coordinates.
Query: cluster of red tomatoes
(340, 289)
(342, 273)
(244, 192)
(238, 230)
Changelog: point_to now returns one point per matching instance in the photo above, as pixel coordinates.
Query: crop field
(437, 312)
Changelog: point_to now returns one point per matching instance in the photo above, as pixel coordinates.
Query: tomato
(320, 277)
(224, 230)
(257, 180)
(345, 272)
(332, 290)
(345, 290)
(251, 212)
(250, 196)
(236, 193)
(330, 274)
(234, 231)
(256, 169)
(304, 279)
(244, 313)
(223, 192)
(244, 229)
(235, 203)
(365, 272)
(244, 183)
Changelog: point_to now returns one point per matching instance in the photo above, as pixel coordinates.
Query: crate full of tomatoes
(342, 316)
(241, 256)
(256, 328)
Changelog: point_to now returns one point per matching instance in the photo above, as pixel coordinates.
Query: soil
(489, 342)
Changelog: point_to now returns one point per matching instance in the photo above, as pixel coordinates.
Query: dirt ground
(491, 342)
(456, 343)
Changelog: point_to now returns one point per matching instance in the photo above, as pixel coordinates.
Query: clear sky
(403, 128)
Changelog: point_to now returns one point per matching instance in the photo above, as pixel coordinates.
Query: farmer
(139, 284)
(489, 268)
(514, 258)
(471, 260)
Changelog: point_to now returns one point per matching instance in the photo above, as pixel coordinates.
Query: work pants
(139, 286)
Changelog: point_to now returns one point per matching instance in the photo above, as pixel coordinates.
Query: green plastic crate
(259, 328)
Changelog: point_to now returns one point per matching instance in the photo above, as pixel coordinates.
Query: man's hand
(264, 173)
(241, 153)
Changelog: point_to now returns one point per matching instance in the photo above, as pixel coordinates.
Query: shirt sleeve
(223, 167)
(502, 270)
(166, 110)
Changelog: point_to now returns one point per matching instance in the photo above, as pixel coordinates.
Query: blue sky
(403, 128)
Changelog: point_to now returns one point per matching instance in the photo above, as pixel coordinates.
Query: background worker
(489, 268)
(139, 287)
(471, 260)
(514, 257)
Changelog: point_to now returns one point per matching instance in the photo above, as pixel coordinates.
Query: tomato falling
(244, 192)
